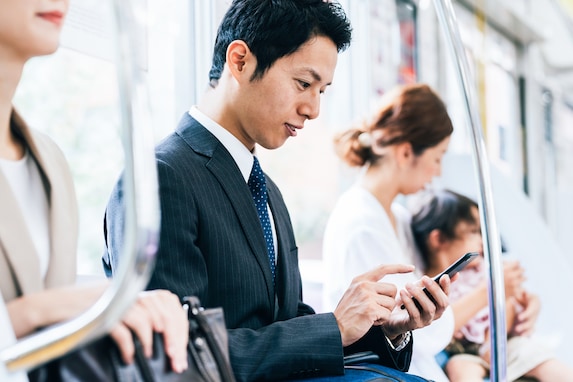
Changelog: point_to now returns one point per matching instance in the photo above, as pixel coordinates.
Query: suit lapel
(224, 168)
(62, 218)
(285, 284)
(63, 223)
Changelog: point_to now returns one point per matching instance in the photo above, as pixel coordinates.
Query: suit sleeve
(376, 341)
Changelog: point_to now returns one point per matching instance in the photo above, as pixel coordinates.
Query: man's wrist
(399, 342)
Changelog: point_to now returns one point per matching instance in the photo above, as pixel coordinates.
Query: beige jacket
(19, 266)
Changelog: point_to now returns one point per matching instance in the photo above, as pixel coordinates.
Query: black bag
(208, 356)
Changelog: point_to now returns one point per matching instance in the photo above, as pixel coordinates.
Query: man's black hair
(276, 28)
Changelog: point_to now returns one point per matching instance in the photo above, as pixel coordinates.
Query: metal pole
(141, 215)
(491, 238)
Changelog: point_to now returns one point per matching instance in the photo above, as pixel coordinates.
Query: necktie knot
(258, 186)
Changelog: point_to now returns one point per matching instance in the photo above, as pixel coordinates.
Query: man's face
(273, 108)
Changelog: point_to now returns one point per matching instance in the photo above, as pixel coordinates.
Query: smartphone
(450, 271)
(457, 266)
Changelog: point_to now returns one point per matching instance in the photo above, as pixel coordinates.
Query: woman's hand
(155, 311)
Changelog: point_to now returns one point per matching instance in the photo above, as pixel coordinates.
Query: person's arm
(155, 311)
(510, 315)
(37, 310)
(469, 305)
(314, 345)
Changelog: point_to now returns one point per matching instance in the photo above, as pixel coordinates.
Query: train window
(408, 67)
(493, 59)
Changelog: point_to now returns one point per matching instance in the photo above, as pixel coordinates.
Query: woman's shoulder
(398, 208)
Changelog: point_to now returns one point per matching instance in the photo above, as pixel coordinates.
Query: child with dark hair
(445, 227)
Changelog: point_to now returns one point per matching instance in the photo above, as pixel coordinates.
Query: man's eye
(304, 85)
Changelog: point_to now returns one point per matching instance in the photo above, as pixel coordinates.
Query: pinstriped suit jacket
(212, 246)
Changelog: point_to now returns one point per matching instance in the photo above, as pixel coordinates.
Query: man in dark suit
(272, 60)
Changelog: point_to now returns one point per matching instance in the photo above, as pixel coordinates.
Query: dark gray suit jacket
(212, 246)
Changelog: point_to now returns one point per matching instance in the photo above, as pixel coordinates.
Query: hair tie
(365, 139)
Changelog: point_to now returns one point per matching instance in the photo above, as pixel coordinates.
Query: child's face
(467, 239)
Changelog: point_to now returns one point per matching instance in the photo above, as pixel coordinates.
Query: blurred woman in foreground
(38, 224)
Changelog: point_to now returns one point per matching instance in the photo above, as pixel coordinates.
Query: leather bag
(207, 352)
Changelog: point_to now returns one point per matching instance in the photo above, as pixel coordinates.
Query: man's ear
(240, 60)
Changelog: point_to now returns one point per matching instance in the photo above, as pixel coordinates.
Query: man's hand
(422, 311)
(367, 302)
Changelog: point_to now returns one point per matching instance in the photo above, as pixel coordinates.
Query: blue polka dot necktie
(258, 187)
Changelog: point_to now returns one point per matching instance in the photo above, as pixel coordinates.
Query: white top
(7, 338)
(26, 183)
(359, 237)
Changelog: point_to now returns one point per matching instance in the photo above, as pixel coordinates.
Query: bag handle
(195, 314)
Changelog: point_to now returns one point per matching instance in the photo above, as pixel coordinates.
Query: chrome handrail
(141, 216)
(491, 238)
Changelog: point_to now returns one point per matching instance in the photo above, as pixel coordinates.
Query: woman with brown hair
(399, 150)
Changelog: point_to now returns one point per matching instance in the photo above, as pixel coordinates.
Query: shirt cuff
(404, 340)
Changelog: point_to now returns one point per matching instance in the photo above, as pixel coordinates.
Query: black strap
(222, 362)
(141, 361)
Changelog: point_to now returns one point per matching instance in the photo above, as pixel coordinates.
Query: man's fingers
(377, 273)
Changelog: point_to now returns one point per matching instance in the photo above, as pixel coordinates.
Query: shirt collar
(242, 156)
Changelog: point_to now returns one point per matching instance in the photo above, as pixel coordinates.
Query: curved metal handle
(141, 220)
(491, 238)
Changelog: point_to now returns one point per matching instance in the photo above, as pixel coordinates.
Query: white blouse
(26, 182)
